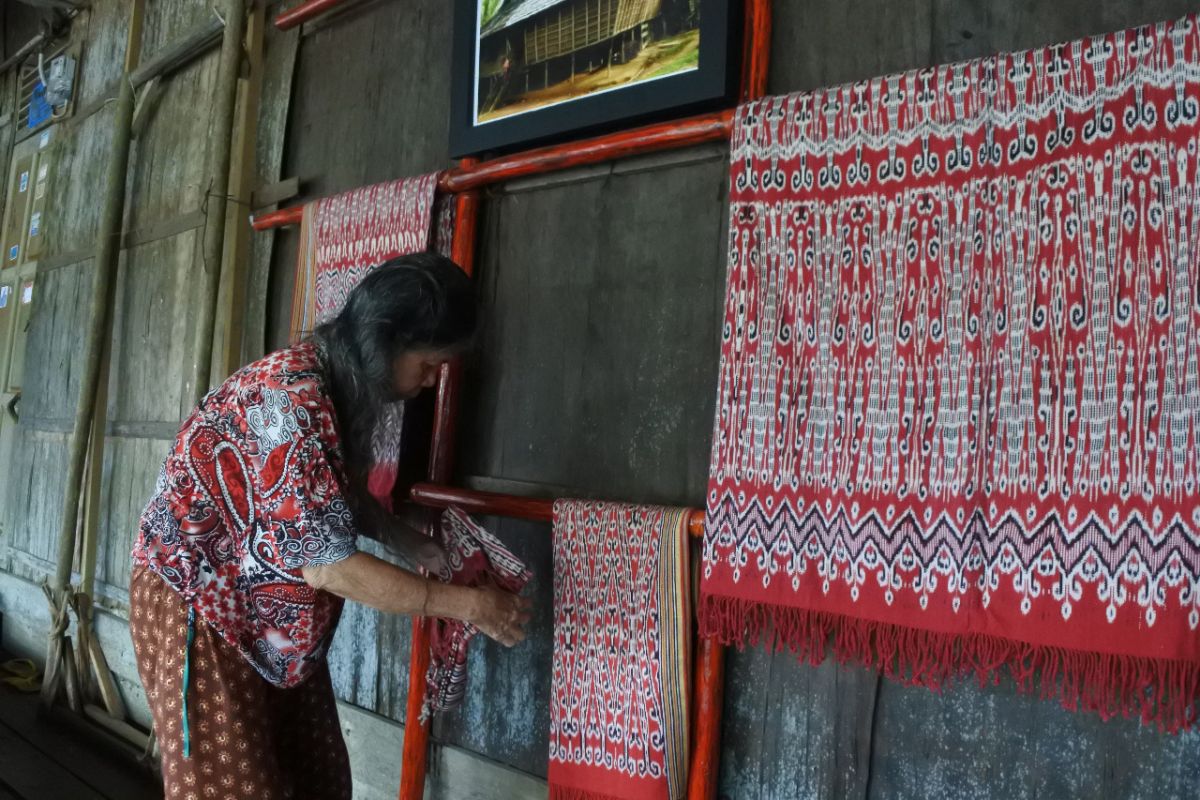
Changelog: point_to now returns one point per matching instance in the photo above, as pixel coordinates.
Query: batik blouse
(252, 492)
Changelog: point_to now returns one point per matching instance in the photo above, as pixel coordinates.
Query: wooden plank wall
(596, 374)
(154, 303)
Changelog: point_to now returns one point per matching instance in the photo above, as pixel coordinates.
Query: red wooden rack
(464, 181)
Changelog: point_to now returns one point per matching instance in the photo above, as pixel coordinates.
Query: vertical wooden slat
(235, 263)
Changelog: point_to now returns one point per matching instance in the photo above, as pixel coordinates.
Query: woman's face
(415, 370)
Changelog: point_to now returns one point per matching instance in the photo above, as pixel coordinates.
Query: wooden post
(91, 520)
(708, 698)
(234, 12)
(234, 271)
(756, 49)
(108, 250)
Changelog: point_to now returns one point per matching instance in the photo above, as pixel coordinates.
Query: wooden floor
(51, 756)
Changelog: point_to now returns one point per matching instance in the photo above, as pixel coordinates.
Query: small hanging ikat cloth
(474, 557)
(958, 415)
(342, 238)
(622, 629)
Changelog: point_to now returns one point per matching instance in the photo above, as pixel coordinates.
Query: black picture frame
(712, 84)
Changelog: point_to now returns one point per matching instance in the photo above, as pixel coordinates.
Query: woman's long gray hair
(418, 301)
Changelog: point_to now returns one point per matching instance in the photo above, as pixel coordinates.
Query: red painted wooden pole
(651, 138)
(756, 49)
(293, 215)
(471, 174)
(441, 463)
(708, 694)
(506, 505)
(304, 12)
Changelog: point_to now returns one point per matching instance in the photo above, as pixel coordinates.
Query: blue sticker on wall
(39, 109)
(4, 292)
(13, 252)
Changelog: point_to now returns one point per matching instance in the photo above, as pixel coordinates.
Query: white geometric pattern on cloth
(974, 337)
(619, 709)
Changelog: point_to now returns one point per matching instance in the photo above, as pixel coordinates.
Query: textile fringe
(1161, 691)
(571, 793)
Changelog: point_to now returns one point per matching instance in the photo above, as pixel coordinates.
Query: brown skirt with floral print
(247, 738)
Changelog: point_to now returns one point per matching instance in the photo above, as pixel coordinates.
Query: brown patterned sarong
(248, 739)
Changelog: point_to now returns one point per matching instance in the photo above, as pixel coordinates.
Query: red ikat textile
(474, 557)
(622, 627)
(958, 416)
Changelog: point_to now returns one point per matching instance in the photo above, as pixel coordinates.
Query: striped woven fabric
(622, 628)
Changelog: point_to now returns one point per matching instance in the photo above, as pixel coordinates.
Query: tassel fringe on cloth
(958, 415)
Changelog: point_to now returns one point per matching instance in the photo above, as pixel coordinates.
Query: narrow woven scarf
(622, 632)
(474, 558)
(342, 238)
(958, 419)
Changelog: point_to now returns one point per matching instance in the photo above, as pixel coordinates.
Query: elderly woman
(247, 548)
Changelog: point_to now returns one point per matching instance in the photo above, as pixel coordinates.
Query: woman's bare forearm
(374, 582)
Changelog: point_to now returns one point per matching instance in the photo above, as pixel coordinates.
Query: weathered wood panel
(972, 743)
(279, 66)
(167, 20)
(32, 509)
(54, 359)
(80, 151)
(156, 293)
(601, 334)
(104, 30)
(169, 163)
(368, 661)
(131, 467)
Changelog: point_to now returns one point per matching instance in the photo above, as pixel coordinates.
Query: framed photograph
(527, 72)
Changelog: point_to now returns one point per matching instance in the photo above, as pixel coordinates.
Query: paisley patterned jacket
(250, 494)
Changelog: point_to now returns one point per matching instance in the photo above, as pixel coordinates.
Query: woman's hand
(501, 615)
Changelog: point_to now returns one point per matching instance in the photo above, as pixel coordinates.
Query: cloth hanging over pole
(955, 428)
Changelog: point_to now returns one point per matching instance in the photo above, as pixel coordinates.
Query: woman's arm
(400, 533)
(374, 582)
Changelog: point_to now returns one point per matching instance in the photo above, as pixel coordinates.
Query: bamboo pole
(231, 307)
(93, 480)
(104, 270)
(122, 729)
(234, 12)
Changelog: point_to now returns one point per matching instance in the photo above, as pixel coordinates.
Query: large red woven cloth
(342, 238)
(958, 418)
(622, 632)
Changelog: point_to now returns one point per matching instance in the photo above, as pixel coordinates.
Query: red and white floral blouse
(252, 492)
